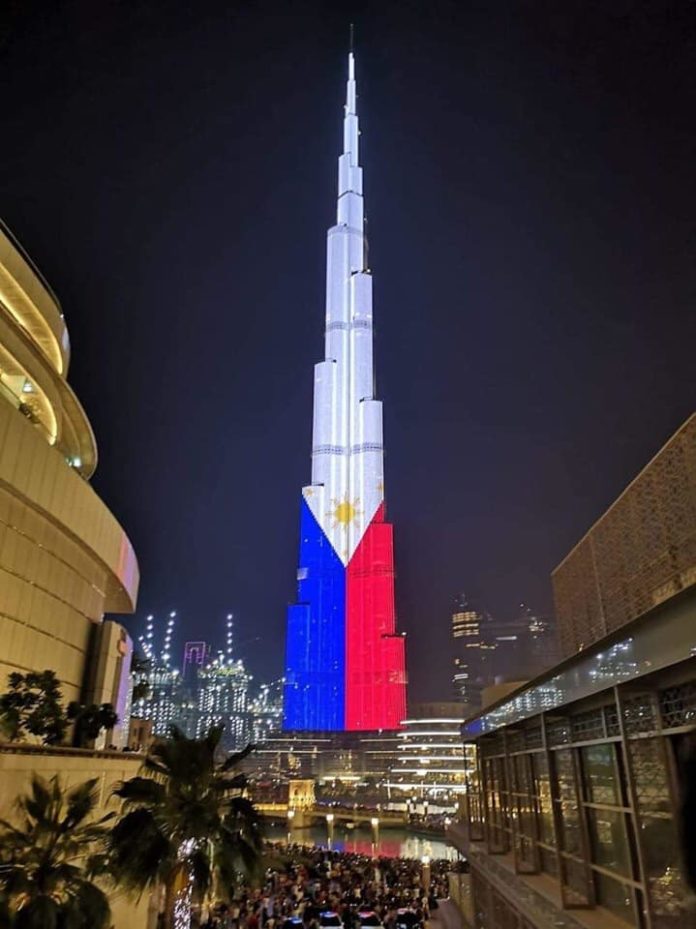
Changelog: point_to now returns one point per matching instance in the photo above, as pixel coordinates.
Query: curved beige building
(64, 558)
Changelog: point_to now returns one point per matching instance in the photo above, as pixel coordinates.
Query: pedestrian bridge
(305, 816)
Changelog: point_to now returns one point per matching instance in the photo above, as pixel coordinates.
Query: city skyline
(530, 204)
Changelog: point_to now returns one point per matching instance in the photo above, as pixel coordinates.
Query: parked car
(293, 922)
(329, 918)
(407, 919)
(368, 918)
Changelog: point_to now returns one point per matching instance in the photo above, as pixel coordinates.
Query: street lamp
(330, 828)
(425, 874)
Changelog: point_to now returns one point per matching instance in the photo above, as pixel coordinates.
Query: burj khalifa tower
(344, 659)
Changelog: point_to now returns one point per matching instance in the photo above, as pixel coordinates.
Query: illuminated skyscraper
(162, 700)
(472, 648)
(223, 687)
(345, 662)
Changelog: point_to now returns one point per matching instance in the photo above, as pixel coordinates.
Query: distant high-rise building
(541, 641)
(345, 662)
(223, 689)
(266, 711)
(163, 701)
(471, 647)
(488, 650)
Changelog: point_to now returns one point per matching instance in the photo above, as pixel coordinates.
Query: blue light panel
(315, 649)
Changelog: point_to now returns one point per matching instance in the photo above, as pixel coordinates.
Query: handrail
(26, 748)
(30, 261)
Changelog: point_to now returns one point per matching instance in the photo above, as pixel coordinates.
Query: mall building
(64, 559)
(573, 807)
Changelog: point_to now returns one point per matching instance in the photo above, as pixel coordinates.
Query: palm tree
(186, 824)
(47, 861)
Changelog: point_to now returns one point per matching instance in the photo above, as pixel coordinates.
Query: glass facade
(587, 796)
(660, 640)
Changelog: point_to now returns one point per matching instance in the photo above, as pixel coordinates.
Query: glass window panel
(526, 858)
(549, 861)
(526, 823)
(608, 840)
(542, 784)
(616, 897)
(661, 859)
(600, 774)
(567, 802)
(565, 774)
(650, 775)
(571, 838)
(546, 831)
(575, 878)
(522, 773)
(496, 803)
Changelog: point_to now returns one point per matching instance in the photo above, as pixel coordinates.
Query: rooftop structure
(640, 553)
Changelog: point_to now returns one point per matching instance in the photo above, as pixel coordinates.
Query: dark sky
(529, 178)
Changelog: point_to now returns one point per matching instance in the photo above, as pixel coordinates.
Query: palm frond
(139, 852)
(81, 801)
(140, 790)
(235, 759)
(92, 906)
(200, 868)
(37, 802)
(41, 912)
(213, 737)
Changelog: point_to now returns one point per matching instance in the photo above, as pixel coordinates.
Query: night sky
(529, 182)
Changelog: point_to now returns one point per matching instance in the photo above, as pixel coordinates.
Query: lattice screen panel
(640, 553)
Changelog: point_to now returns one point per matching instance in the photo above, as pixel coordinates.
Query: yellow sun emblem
(344, 513)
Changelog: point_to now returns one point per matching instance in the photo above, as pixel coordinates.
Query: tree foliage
(186, 821)
(90, 720)
(32, 707)
(48, 860)
(141, 691)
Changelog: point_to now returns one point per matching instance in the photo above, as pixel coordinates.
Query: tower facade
(344, 659)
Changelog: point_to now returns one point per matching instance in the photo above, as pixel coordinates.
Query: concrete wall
(17, 764)
(64, 559)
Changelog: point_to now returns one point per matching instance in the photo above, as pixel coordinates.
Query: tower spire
(344, 662)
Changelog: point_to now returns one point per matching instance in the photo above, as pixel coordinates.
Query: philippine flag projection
(344, 659)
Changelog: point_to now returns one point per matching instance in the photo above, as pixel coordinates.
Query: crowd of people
(304, 884)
